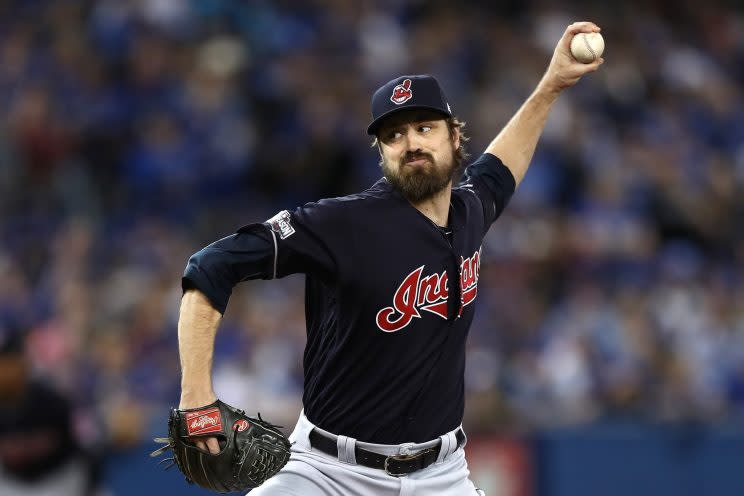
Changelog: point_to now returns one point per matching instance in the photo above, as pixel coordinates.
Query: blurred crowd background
(134, 132)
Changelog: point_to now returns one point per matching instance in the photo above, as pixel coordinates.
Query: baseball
(587, 47)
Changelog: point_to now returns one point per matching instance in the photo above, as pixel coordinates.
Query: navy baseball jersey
(389, 300)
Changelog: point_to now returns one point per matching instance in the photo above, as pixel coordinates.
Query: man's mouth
(417, 160)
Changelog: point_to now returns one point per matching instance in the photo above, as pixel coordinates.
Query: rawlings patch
(203, 422)
(402, 93)
(280, 224)
(240, 425)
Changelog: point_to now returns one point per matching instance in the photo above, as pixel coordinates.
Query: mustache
(411, 156)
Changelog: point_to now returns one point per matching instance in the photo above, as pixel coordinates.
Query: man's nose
(413, 141)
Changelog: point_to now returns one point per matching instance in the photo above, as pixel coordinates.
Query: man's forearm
(197, 327)
(515, 144)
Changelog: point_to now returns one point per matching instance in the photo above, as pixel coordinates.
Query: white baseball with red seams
(587, 47)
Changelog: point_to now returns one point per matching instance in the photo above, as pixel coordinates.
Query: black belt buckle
(405, 458)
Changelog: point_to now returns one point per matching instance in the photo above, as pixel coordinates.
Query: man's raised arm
(516, 143)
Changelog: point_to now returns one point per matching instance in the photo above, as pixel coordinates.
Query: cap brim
(375, 124)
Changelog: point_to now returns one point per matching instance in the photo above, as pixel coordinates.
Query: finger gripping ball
(587, 47)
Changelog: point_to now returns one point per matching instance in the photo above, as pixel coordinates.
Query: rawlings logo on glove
(251, 450)
(204, 422)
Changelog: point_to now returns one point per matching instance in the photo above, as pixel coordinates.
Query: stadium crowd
(135, 132)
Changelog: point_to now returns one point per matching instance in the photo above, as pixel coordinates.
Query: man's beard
(421, 183)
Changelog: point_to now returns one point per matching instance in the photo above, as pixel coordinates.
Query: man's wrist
(548, 91)
(192, 399)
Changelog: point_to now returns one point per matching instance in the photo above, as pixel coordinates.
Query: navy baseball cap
(407, 93)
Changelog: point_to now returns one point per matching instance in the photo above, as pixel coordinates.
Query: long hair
(461, 154)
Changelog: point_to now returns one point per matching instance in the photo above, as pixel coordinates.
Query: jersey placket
(454, 283)
(457, 282)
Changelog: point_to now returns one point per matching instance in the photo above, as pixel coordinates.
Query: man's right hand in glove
(253, 450)
(189, 401)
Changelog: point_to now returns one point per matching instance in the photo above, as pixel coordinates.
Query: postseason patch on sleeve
(280, 224)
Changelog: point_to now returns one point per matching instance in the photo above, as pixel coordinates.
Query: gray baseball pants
(313, 473)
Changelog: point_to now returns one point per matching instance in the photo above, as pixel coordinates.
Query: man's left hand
(564, 71)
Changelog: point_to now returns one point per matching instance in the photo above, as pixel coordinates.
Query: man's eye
(424, 129)
(395, 135)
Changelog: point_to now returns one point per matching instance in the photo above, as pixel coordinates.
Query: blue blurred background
(607, 355)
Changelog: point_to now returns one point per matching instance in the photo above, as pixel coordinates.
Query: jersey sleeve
(493, 183)
(304, 240)
(288, 243)
(217, 268)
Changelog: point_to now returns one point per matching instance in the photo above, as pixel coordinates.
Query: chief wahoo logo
(402, 93)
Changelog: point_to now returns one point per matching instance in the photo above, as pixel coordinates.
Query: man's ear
(456, 137)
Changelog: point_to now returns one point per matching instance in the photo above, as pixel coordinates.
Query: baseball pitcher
(391, 286)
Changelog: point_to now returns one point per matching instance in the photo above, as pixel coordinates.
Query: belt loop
(449, 444)
(351, 450)
(346, 449)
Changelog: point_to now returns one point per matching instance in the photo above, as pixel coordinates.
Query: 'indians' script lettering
(428, 293)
